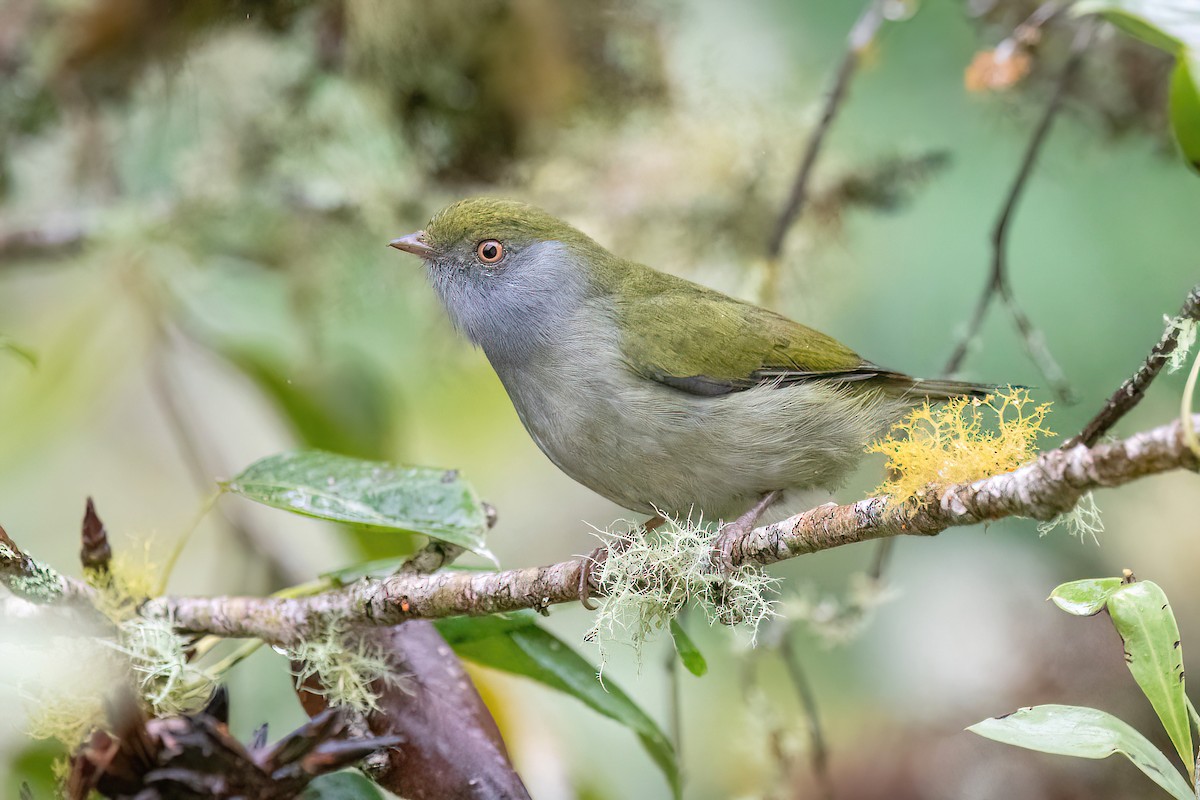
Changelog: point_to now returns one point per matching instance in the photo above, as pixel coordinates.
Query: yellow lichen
(961, 440)
(125, 585)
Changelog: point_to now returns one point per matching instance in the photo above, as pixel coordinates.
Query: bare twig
(998, 283)
(281, 570)
(818, 750)
(860, 37)
(1046, 487)
(435, 555)
(674, 702)
(56, 237)
(1134, 388)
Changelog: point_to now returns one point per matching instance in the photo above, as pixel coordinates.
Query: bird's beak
(414, 243)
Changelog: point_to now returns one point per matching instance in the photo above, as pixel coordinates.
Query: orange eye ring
(489, 251)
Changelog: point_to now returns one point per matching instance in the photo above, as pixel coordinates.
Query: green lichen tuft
(1185, 336)
(165, 678)
(346, 669)
(1083, 521)
(40, 584)
(838, 620)
(651, 580)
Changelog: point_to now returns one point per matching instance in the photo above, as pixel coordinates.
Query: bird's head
(508, 273)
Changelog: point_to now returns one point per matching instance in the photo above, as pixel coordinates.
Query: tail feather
(911, 388)
(937, 389)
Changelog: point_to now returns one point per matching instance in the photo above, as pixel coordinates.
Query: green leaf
(522, 648)
(1185, 106)
(1084, 733)
(1085, 598)
(349, 784)
(689, 654)
(462, 630)
(1173, 26)
(1141, 614)
(435, 502)
(1169, 25)
(18, 350)
(380, 568)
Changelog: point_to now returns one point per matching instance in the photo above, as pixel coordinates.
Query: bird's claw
(587, 566)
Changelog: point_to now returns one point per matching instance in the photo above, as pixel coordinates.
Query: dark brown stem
(280, 572)
(1134, 388)
(861, 35)
(818, 749)
(998, 284)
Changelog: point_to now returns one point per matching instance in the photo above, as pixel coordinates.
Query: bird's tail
(936, 389)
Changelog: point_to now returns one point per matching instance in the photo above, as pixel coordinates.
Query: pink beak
(414, 243)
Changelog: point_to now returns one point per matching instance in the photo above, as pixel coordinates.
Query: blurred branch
(36, 582)
(282, 569)
(998, 284)
(1042, 489)
(57, 237)
(861, 35)
(1134, 388)
(818, 750)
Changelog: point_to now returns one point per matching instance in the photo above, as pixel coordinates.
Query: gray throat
(518, 313)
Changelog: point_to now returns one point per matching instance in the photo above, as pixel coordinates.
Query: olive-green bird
(657, 393)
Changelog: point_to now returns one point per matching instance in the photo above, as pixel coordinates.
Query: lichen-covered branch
(1042, 489)
(1131, 392)
(36, 582)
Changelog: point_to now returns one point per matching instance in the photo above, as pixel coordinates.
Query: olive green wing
(704, 343)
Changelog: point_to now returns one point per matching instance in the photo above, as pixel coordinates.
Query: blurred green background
(195, 204)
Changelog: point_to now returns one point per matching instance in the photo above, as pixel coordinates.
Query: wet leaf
(1084, 733)
(1173, 26)
(381, 568)
(374, 494)
(1085, 598)
(349, 784)
(519, 646)
(1141, 614)
(1185, 106)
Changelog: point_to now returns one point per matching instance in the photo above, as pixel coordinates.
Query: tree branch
(1131, 392)
(36, 582)
(860, 37)
(1042, 489)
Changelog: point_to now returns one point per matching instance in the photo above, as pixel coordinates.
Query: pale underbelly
(648, 447)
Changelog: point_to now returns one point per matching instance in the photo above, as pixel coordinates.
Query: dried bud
(95, 552)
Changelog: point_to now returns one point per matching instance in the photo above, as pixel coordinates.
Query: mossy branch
(1047, 486)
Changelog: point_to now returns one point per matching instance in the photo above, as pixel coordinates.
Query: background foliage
(199, 200)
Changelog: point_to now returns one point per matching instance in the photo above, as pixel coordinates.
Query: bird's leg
(598, 556)
(732, 532)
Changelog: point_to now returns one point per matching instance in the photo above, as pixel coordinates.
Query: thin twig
(998, 283)
(1046, 487)
(280, 572)
(860, 37)
(818, 750)
(674, 704)
(1134, 388)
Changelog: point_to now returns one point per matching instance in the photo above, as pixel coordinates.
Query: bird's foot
(732, 533)
(595, 559)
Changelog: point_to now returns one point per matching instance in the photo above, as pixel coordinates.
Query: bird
(658, 393)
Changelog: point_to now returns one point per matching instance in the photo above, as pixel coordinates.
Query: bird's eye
(490, 251)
